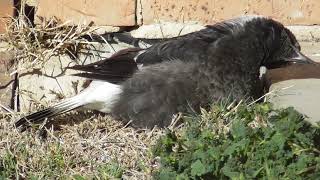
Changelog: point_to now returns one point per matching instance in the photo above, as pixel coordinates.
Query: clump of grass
(111, 170)
(35, 45)
(96, 148)
(248, 143)
(237, 142)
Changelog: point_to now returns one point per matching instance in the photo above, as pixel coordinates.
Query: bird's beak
(296, 58)
(299, 58)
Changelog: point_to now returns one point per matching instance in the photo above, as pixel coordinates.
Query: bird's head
(283, 47)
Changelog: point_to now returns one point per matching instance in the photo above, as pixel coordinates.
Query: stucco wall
(130, 12)
(6, 11)
(138, 12)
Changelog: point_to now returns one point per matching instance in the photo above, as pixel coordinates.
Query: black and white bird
(148, 86)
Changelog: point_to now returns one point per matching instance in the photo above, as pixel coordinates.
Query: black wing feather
(115, 69)
(186, 48)
(189, 47)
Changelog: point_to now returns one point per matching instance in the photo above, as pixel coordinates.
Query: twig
(11, 111)
(269, 93)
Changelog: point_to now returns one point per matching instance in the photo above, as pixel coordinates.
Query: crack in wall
(139, 12)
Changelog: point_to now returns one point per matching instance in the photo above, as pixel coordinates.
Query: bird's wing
(115, 69)
(183, 48)
(190, 47)
(123, 64)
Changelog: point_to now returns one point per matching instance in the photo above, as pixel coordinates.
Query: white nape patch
(242, 20)
(238, 23)
(101, 96)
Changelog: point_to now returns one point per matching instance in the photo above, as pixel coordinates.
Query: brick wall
(131, 12)
(101, 12)
(6, 11)
(290, 12)
(137, 12)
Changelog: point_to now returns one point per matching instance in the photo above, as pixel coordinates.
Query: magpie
(147, 86)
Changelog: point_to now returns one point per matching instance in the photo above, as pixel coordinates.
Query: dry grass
(37, 45)
(34, 46)
(97, 147)
(92, 148)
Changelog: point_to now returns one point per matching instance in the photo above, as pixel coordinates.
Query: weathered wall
(5, 79)
(6, 11)
(124, 12)
(101, 12)
(137, 12)
(290, 12)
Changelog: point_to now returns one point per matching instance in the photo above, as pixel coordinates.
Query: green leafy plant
(8, 166)
(247, 142)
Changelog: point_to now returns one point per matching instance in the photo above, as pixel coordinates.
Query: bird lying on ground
(148, 86)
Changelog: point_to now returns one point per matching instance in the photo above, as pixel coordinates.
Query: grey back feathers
(185, 73)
